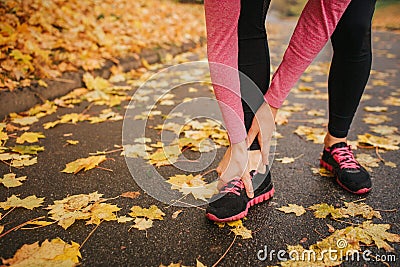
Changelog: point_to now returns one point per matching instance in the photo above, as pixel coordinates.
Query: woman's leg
(253, 60)
(349, 73)
(351, 65)
(254, 66)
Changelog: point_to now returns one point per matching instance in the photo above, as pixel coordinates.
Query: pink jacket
(314, 28)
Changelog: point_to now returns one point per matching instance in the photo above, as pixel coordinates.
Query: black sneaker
(232, 202)
(350, 175)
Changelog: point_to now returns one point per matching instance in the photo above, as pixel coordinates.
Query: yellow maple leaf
(25, 120)
(142, 223)
(316, 135)
(296, 209)
(10, 180)
(124, 219)
(388, 142)
(203, 192)
(30, 137)
(153, 212)
(323, 210)
(136, 150)
(29, 202)
(181, 180)
(102, 211)
(84, 164)
(97, 83)
(89, 207)
(50, 253)
(23, 161)
(384, 129)
(31, 150)
(355, 209)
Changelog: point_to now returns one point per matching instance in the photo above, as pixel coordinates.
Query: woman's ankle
(255, 161)
(330, 140)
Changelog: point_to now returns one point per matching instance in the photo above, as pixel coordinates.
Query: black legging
(254, 59)
(351, 65)
(349, 72)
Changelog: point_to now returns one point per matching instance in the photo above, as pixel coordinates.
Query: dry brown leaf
(131, 195)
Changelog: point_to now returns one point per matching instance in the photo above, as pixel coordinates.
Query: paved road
(190, 236)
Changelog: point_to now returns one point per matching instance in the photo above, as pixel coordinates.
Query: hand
(235, 164)
(262, 127)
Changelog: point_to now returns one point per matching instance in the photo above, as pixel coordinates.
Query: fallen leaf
(384, 129)
(322, 172)
(89, 207)
(50, 253)
(72, 142)
(367, 160)
(20, 162)
(323, 210)
(316, 135)
(375, 109)
(316, 112)
(131, 195)
(387, 143)
(392, 101)
(199, 264)
(356, 209)
(10, 180)
(153, 212)
(331, 229)
(243, 232)
(136, 150)
(176, 213)
(29, 202)
(390, 164)
(376, 119)
(31, 150)
(84, 164)
(25, 120)
(298, 210)
(30, 137)
(142, 223)
(286, 160)
(124, 219)
(379, 83)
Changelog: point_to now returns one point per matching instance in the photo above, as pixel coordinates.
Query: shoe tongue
(338, 145)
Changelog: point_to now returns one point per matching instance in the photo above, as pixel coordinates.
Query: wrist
(240, 147)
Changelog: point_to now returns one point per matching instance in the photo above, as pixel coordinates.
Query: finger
(248, 185)
(252, 133)
(219, 170)
(264, 144)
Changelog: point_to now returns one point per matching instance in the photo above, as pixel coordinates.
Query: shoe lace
(344, 156)
(233, 186)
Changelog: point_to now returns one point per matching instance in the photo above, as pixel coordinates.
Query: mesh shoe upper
(350, 174)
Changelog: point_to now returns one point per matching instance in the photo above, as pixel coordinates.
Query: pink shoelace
(345, 158)
(233, 186)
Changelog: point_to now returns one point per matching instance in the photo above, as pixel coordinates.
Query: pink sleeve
(222, 18)
(314, 28)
